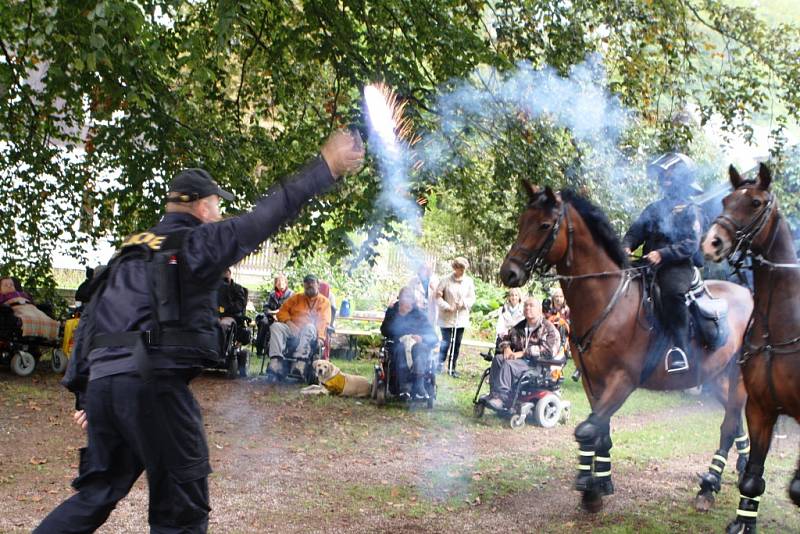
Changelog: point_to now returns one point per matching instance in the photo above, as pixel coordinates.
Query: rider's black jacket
(206, 250)
(672, 227)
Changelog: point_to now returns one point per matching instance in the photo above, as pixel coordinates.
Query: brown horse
(751, 224)
(611, 334)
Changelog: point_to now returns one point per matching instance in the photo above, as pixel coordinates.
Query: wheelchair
(22, 353)
(535, 396)
(385, 385)
(318, 351)
(237, 358)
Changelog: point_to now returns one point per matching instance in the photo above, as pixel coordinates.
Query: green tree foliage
(103, 101)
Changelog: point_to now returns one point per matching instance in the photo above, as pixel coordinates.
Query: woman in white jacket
(510, 313)
(454, 296)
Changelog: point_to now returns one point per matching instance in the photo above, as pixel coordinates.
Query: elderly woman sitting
(413, 340)
(35, 323)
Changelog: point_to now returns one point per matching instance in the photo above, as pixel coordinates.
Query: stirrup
(680, 364)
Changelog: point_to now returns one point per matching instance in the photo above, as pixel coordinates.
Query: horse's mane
(599, 226)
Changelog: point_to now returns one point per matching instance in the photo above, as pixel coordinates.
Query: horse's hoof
(584, 483)
(592, 501)
(704, 501)
(739, 527)
(794, 491)
(604, 486)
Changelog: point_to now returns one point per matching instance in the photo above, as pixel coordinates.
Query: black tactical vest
(181, 311)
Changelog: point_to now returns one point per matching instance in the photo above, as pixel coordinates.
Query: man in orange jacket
(303, 318)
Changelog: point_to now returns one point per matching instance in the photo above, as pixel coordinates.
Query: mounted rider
(670, 230)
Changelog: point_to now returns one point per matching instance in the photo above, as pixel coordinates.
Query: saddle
(707, 315)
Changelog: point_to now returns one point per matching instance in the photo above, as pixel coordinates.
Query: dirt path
(284, 463)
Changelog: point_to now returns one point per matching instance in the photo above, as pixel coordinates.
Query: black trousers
(136, 426)
(674, 281)
(420, 355)
(444, 346)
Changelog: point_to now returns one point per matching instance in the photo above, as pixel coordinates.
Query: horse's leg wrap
(586, 434)
(711, 480)
(743, 448)
(602, 466)
(751, 488)
(794, 488)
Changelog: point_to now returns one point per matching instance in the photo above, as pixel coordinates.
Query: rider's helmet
(675, 173)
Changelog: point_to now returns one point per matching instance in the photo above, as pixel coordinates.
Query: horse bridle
(535, 258)
(744, 235)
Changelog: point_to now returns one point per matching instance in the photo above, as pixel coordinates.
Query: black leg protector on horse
(743, 448)
(751, 488)
(586, 434)
(712, 480)
(602, 466)
(794, 488)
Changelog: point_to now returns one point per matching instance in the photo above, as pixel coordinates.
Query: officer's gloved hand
(343, 152)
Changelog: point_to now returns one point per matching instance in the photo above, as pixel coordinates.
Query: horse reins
(745, 234)
(744, 237)
(535, 261)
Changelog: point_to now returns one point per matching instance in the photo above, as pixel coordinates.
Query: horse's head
(538, 243)
(746, 212)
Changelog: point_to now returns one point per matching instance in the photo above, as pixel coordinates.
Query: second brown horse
(752, 224)
(611, 335)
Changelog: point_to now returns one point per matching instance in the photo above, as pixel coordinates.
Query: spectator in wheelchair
(232, 300)
(35, 322)
(510, 313)
(533, 341)
(280, 293)
(412, 339)
(302, 321)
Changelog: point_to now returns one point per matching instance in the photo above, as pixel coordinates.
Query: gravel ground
(285, 463)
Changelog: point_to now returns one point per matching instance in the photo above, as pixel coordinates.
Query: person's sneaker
(420, 396)
(404, 396)
(495, 403)
(455, 374)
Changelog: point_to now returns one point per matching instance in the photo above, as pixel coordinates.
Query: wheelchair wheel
(547, 411)
(58, 361)
(517, 421)
(23, 363)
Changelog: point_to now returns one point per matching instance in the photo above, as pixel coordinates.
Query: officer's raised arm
(212, 247)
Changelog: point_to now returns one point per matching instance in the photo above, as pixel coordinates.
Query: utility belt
(152, 339)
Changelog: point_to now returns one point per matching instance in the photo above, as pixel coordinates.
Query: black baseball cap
(195, 184)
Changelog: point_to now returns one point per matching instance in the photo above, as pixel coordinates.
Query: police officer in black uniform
(150, 328)
(670, 229)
